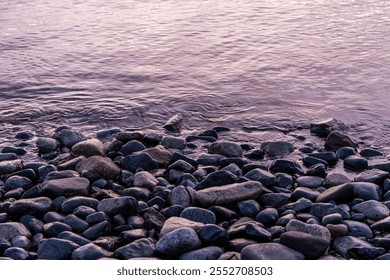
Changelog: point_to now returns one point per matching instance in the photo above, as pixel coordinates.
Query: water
(244, 63)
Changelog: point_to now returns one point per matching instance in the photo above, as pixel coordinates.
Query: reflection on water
(243, 63)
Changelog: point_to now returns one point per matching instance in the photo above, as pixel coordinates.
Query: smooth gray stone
(171, 142)
(372, 209)
(90, 252)
(207, 253)
(315, 230)
(320, 210)
(141, 248)
(11, 229)
(144, 179)
(178, 241)
(358, 229)
(16, 253)
(68, 137)
(198, 215)
(102, 166)
(249, 208)
(309, 182)
(72, 203)
(66, 187)
(337, 140)
(32, 206)
(56, 249)
(55, 228)
(226, 148)
(312, 247)
(132, 147)
(270, 251)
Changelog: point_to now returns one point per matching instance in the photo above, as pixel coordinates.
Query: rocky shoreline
(135, 195)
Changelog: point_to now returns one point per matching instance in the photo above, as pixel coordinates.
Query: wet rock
(207, 253)
(335, 179)
(11, 229)
(182, 165)
(129, 236)
(366, 191)
(345, 152)
(340, 193)
(55, 228)
(375, 176)
(355, 163)
(24, 135)
(228, 149)
(317, 170)
(90, 252)
(106, 133)
(98, 230)
(178, 241)
(46, 145)
(213, 235)
(264, 177)
(277, 148)
(54, 175)
(16, 182)
(174, 123)
(198, 215)
(267, 216)
(140, 160)
(31, 206)
(144, 179)
(72, 203)
(329, 157)
(358, 229)
(312, 247)
(324, 127)
(10, 166)
(368, 152)
(315, 230)
(344, 246)
(66, 187)
(13, 150)
(126, 136)
(132, 147)
(76, 223)
(143, 247)
(337, 140)
(68, 137)
(286, 166)
(217, 178)
(126, 205)
(102, 166)
(270, 251)
(226, 194)
(171, 142)
(309, 182)
(16, 253)
(174, 223)
(372, 209)
(56, 249)
(70, 164)
(21, 242)
(88, 148)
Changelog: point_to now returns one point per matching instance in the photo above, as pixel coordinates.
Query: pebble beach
(125, 194)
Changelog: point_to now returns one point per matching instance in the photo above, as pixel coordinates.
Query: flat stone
(372, 209)
(321, 210)
(383, 225)
(335, 179)
(207, 253)
(144, 179)
(68, 137)
(286, 166)
(31, 206)
(213, 235)
(228, 194)
(309, 182)
(366, 191)
(315, 230)
(126, 136)
(270, 251)
(198, 215)
(66, 187)
(138, 160)
(312, 247)
(11, 229)
(227, 149)
(355, 163)
(102, 166)
(129, 236)
(375, 176)
(88, 148)
(174, 223)
(341, 193)
(277, 148)
(8, 156)
(337, 140)
(171, 142)
(74, 237)
(264, 177)
(308, 193)
(126, 205)
(334, 218)
(249, 208)
(77, 224)
(15, 253)
(343, 245)
(15, 182)
(141, 248)
(178, 241)
(54, 175)
(56, 249)
(90, 252)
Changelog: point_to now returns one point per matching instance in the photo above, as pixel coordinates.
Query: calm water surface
(243, 63)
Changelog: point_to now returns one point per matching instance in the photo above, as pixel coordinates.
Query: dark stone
(228, 149)
(10, 166)
(321, 210)
(286, 166)
(223, 214)
(313, 229)
(312, 247)
(171, 142)
(375, 176)
(132, 147)
(138, 160)
(309, 182)
(274, 199)
(255, 154)
(324, 127)
(66, 187)
(317, 170)
(217, 178)
(56, 249)
(90, 252)
(16, 253)
(343, 245)
(55, 228)
(334, 218)
(68, 137)
(125, 137)
(192, 138)
(329, 157)
(249, 208)
(153, 219)
(345, 152)
(198, 215)
(178, 241)
(124, 205)
(270, 251)
(54, 175)
(207, 253)
(72, 203)
(53, 217)
(16, 182)
(24, 135)
(309, 161)
(355, 163)
(98, 230)
(383, 225)
(240, 243)
(106, 133)
(341, 193)
(277, 148)
(144, 179)
(213, 235)
(337, 140)
(264, 177)
(143, 247)
(32, 206)
(368, 152)
(267, 216)
(129, 236)
(299, 205)
(21, 242)
(140, 194)
(372, 209)
(174, 123)
(301, 192)
(13, 150)
(76, 223)
(102, 166)
(358, 229)
(206, 159)
(71, 236)
(11, 229)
